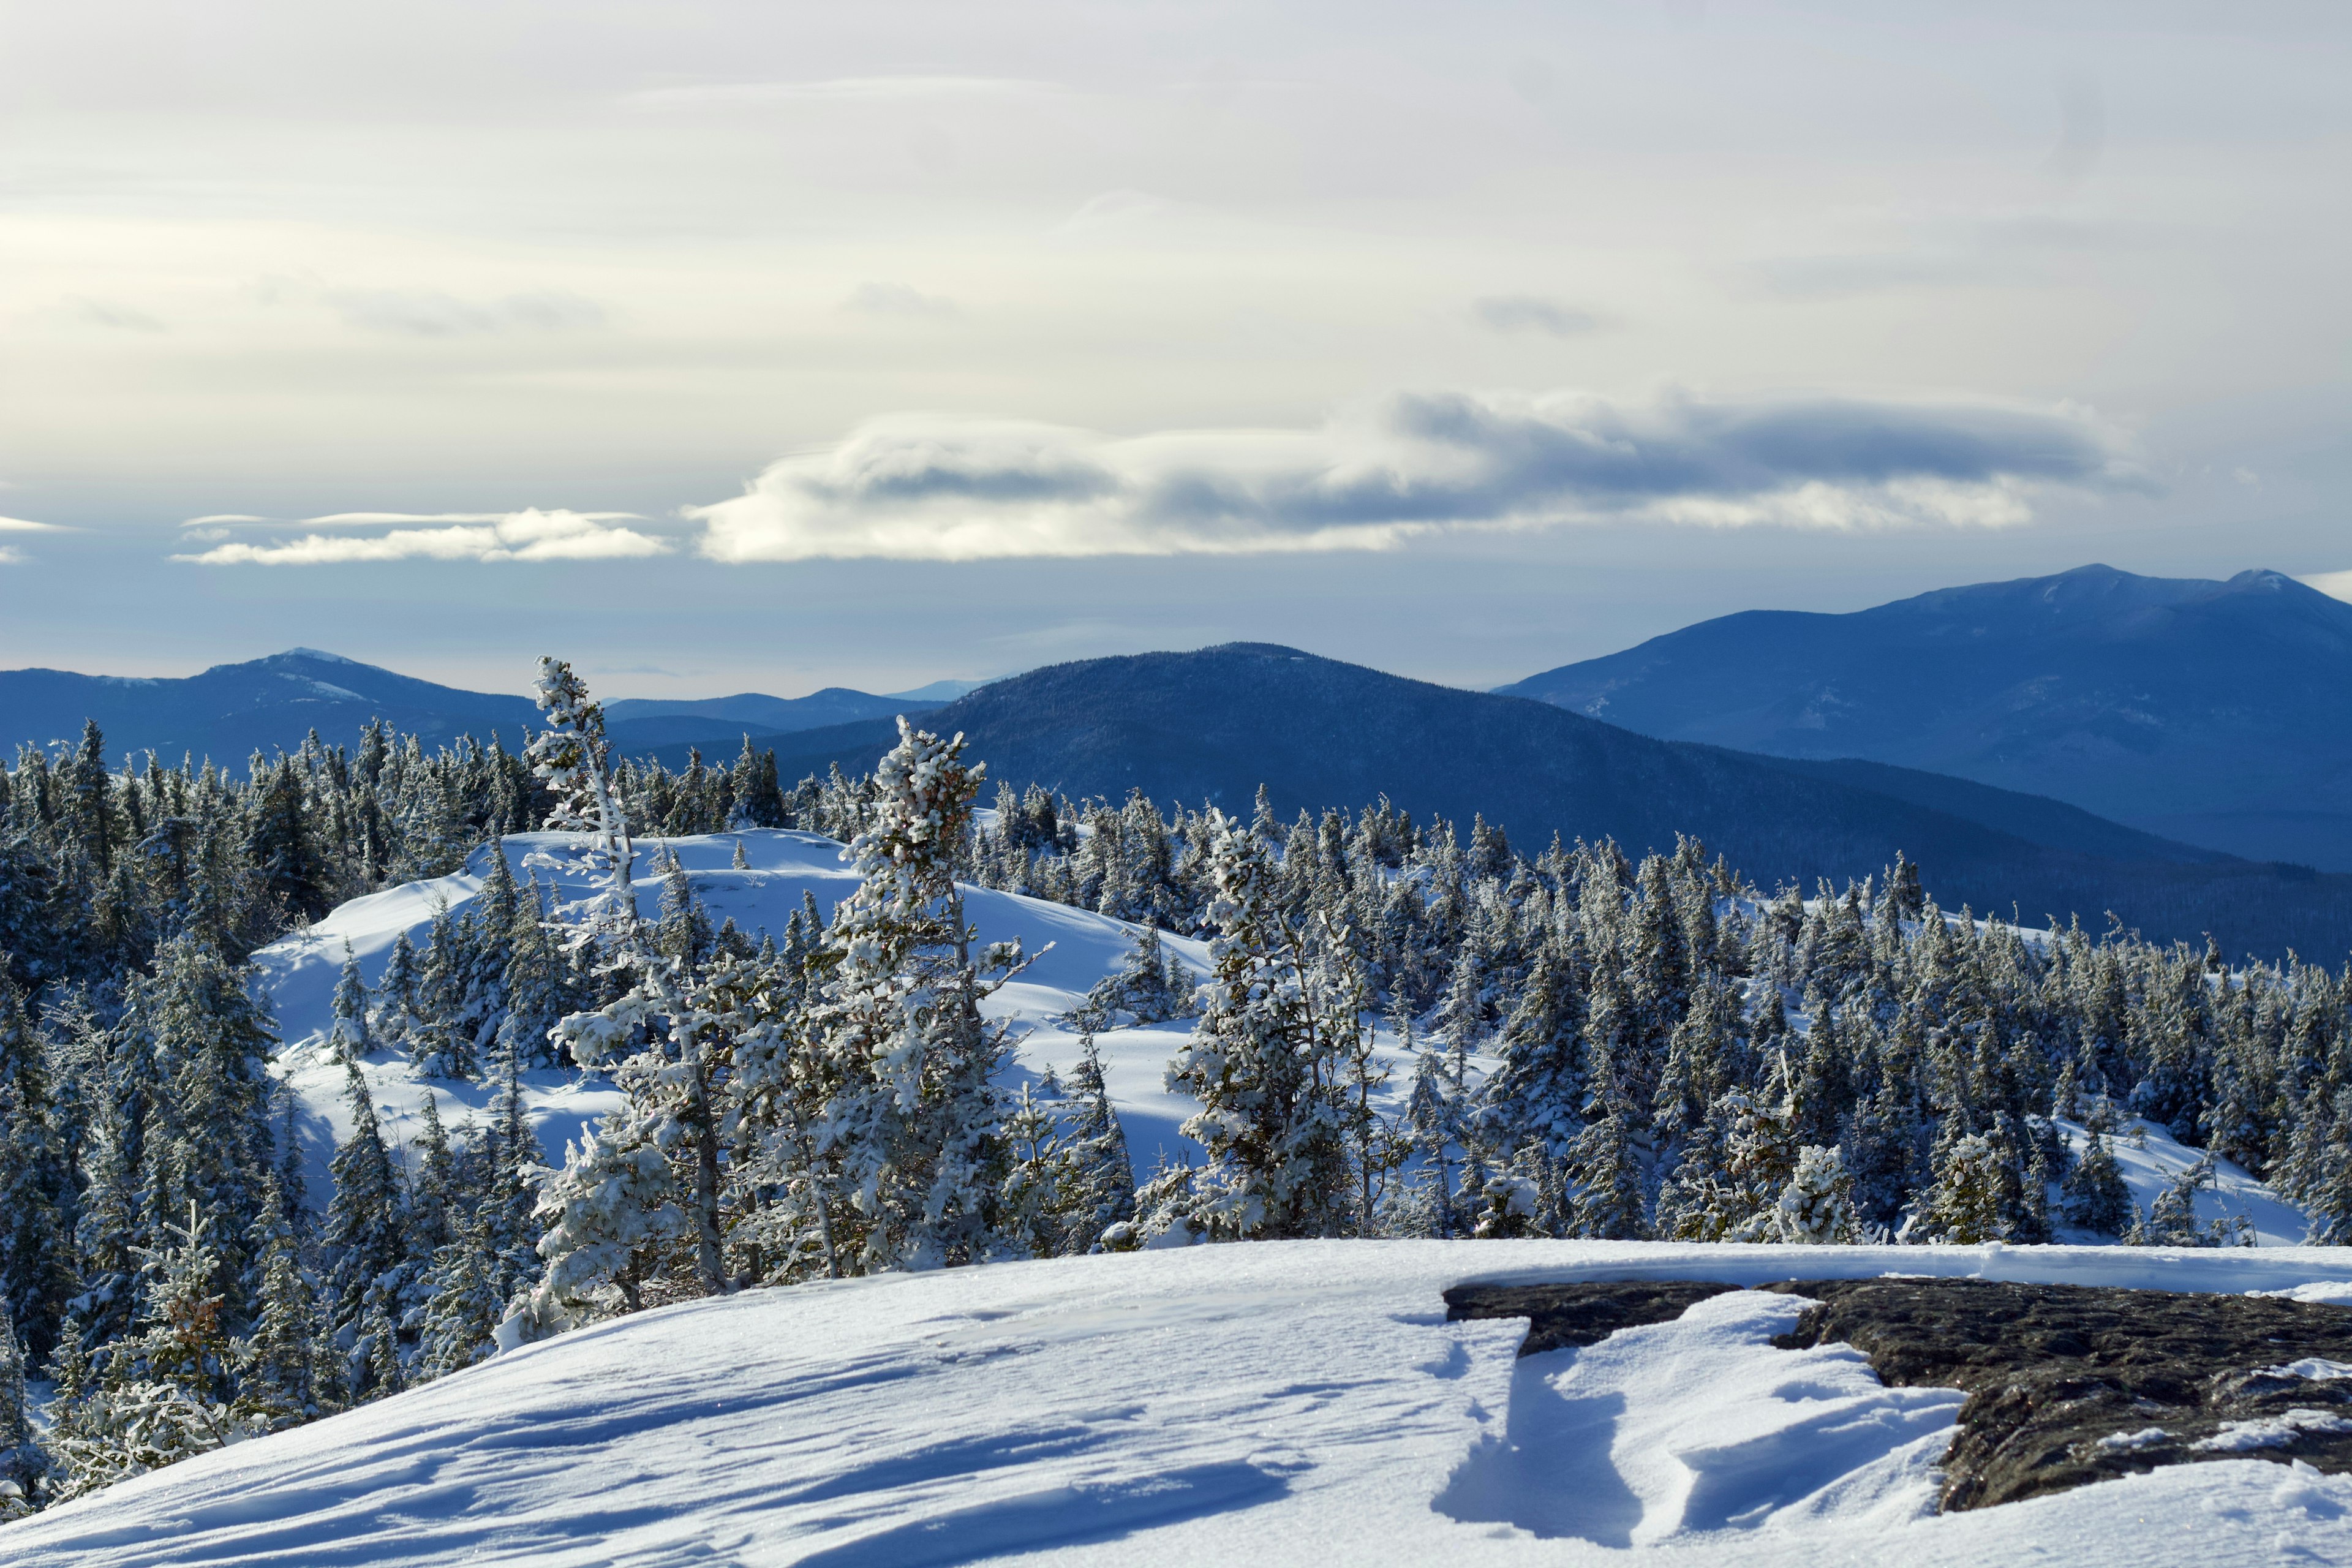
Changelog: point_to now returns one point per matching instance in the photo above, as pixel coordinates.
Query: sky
(730, 346)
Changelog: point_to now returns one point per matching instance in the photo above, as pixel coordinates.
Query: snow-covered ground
(1264, 1404)
(299, 972)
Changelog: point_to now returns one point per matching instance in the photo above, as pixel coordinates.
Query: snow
(2324, 1292)
(2150, 1158)
(1267, 1402)
(2270, 1431)
(1699, 1425)
(299, 974)
(2318, 1369)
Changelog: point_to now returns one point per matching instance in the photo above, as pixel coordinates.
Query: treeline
(1597, 1048)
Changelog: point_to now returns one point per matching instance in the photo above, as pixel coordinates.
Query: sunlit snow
(1286, 1402)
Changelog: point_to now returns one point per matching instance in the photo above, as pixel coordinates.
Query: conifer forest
(1599, 1045)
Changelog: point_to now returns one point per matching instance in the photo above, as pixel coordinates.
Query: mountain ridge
(1214, 724)
(230, 710)
(2219, 712)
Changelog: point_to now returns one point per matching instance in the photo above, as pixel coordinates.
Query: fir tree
(347, 1035)
(36, 1183)
(23, 1463)
(362, 1235)
(2096, 1196)
(1265, 1061)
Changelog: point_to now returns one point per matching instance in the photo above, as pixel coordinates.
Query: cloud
(23, 525)
(915, 487)
(897, 300)
(2335, 585)
(1525, 313)
(427, 314)
(1115, 209)
(10, 556)
(2082, 126)
(118, 318)
(848, 89)
(528, 535)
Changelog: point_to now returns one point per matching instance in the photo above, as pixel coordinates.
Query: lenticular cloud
(922, 488)
(527, 535)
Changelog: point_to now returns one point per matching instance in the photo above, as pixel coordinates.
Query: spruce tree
(36, 1183)
(347, 1034)
(1265, 1061)
(362, 1236)
(2096, 1196)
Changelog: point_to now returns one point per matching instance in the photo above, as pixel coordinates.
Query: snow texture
(2149, 1159)
(298, 972)
(1267, 1402)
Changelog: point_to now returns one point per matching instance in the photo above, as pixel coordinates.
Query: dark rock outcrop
(1560, 1316)
(2069, 1384)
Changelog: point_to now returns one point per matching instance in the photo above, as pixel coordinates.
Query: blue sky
(737, 346)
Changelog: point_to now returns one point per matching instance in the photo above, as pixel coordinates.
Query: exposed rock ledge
(2067, 1385)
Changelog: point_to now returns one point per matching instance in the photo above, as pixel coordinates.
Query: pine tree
(1435, 1123)
(915, 1118)
(396, 1020)
(1265, 1061)
(36, 1183)
(347, 1035)
(363, 1236)
(2096, 1196)
(2171, 1220)
(23, 1463)
(166, 1393)
(464, 1305)
(1816, 1209)
(1103, 1192)
(284, 1378)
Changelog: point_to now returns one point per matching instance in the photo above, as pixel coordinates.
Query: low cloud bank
(919, 487)
(527, 535)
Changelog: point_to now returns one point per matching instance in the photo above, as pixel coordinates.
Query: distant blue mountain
(1213, 726)
(232, 710)
(2216, 712)
(639, 723)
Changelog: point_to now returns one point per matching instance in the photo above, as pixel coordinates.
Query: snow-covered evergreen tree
(1265, 1061)
(914, 1119)
(2096, 1196)
(347, 1035)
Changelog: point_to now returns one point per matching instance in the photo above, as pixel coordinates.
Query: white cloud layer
(429, 313)
(527, 535)
(914, 487)
(2335, 585)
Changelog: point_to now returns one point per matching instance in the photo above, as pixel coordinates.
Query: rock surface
(1561, 1316)
(2073, 1384)
(2067, 1385)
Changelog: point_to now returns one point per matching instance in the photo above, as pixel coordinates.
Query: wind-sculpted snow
(299, 972)
(1275, 1403)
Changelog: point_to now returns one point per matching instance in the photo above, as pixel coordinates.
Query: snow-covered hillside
(1271, 1402)
(299, 972)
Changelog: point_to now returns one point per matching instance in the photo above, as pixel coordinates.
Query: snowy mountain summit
(1274, 1403)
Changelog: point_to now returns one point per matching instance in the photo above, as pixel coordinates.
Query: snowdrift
(1270, 1402)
